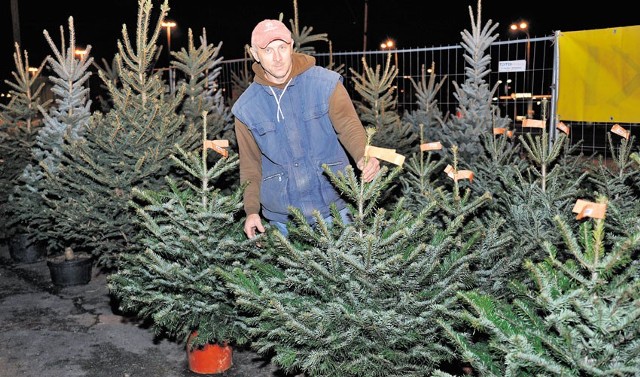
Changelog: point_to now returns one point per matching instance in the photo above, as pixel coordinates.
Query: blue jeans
(344, 214)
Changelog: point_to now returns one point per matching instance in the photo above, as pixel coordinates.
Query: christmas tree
(427, 117)
(474, 112)
(127, 147)
(201, 69)
(110, 73)
(619, 181)
(422, 173)
(528, 197)
(359, 298)
(19, 125)
(467, 191)
(378, 104)
(200, 66)
(189, 230)
(66, 118)
(580, 318)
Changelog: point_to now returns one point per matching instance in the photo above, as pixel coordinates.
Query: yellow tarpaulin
(599, 75)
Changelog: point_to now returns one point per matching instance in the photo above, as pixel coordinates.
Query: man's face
(275, 60)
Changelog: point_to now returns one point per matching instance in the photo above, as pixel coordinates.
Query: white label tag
(512, 66)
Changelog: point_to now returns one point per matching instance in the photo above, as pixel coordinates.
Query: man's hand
(370, 171)
(251, 224)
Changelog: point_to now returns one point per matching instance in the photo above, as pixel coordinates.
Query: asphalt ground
(77, 331)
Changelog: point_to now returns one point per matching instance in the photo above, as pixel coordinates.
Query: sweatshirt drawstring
(279, 112)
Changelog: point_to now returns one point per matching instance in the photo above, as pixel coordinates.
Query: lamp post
(523, 27)
(169, 25)
(366, 22)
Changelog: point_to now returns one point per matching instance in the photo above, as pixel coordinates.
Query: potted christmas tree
(19, 126)
(88, 195)
(69, 76)
(190, 231)
(187, 231)
(68, 269)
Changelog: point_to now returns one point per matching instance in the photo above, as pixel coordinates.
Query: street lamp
(523, 26)
(390, 44)
(169, 25)
(80, 53)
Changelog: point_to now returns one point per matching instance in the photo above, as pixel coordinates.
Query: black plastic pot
(23, 250)
(66, 273)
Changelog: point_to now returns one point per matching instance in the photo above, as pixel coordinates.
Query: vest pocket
(316, 112)
(334, 166)
(273, 193)
(264, 127)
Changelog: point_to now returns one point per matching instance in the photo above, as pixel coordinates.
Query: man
(291, 120)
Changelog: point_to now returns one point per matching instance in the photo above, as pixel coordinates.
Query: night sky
(411, 24)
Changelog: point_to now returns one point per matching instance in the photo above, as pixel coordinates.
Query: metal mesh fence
(520, 95)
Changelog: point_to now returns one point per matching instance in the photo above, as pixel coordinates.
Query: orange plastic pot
(210, 359)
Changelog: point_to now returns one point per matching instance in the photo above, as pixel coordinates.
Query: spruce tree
(469, 143)
(201, 68)
(529, 188)
(127, 147)
(421, 176)
(580, 319)
(530, 200)
(378, 105)
(66, 118)
(474, 112)
(427, 117)
(26, 93)
(619, 180)
(529, 192)
(20, 123)
(110, 73)
(481, 233)
(499, 160)
(189, 230)
(358, 298)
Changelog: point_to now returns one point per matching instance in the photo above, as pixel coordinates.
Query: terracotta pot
(210, 359)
